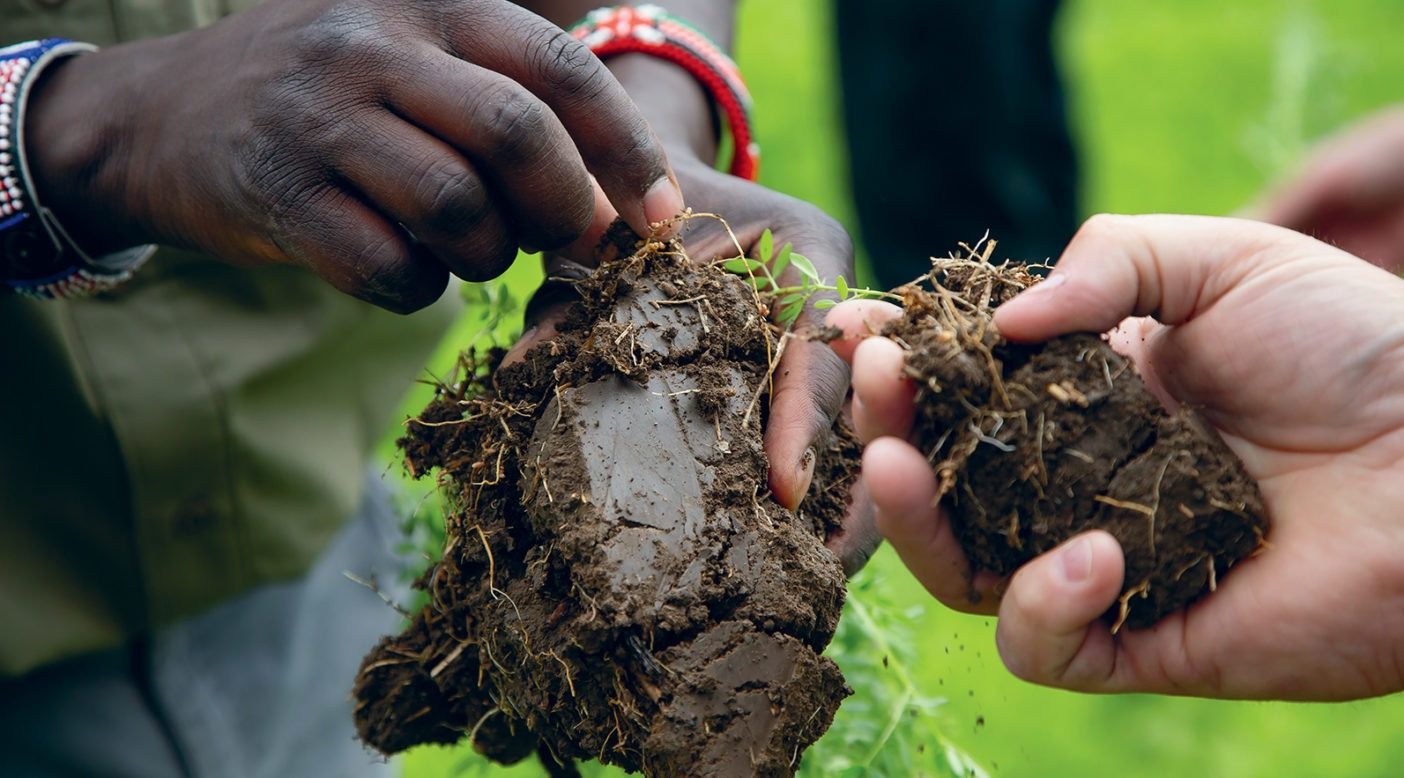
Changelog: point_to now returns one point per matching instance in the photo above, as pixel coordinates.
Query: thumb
(1168, 267)
(1049, 629)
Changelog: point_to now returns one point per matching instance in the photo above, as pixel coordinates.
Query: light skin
(386, 146)
(1349, 191)
(1291, 349)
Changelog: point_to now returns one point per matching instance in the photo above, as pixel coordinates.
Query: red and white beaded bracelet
(648, 29)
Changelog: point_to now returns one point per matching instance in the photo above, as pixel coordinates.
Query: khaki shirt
(198, 432)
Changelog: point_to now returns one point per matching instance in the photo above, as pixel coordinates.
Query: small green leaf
(805, 267)
(824, 304)
(782, 260)
(766, 246)
(789, 313)
(742, 266)
(793, 296)
(842, 287)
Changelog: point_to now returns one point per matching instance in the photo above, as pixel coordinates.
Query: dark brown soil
(617, 582)
(1034, 444)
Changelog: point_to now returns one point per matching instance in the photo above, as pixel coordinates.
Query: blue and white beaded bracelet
(37, 257)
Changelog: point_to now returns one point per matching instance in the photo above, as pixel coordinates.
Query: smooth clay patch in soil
(1033, 444)
(617, 582)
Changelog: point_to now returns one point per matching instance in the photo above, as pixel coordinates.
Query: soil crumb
(1033, 444)
(617, 582)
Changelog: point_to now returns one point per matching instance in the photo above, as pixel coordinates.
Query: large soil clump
(617, 582)
(1033, 444)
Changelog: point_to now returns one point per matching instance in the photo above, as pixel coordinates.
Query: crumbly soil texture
(617, 582)
(1033, 444)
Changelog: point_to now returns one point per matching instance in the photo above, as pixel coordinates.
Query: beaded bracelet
(38, 258)
(648, 29)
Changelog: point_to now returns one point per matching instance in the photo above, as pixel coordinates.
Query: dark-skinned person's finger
(811, 381)
(515, 142)
(433, 192)
(613, 137)
(356, 250)
(858, 320)
(810, 385)
(904, 492)
(1050, 630)
(855, 542)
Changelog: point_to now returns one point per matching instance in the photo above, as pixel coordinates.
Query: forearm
(677, 107)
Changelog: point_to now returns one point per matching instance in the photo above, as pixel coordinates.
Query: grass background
(1191, 106)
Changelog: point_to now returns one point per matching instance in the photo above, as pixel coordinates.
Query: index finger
(614, 139)
(858, 320)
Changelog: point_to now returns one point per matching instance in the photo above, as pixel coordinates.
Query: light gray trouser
(258, 686)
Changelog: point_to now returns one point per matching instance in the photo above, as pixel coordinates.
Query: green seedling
(764, 271)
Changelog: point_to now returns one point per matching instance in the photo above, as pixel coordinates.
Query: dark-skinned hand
(382, 145)
(810, 380)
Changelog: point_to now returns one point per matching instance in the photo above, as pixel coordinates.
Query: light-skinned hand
(1294, 351)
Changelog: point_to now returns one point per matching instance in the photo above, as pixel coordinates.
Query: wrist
(674, 103)
(78, 145)
(679, 76)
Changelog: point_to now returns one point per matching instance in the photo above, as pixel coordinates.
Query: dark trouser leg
(956, 125)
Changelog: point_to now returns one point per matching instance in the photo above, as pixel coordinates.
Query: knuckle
(380, 272)
(343, 35)
(453, 199)
(293, 201)
(567, 65)
(514, 124)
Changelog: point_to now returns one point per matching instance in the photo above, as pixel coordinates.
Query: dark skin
(326, 133)
(386, 145)
(811, 381)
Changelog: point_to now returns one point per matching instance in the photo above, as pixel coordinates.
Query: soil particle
(617, 583)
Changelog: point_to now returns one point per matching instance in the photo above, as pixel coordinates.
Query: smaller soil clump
(1033, 444)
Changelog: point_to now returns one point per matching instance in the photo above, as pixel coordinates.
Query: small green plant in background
(498, 307)
(763, 271)
(891, 726)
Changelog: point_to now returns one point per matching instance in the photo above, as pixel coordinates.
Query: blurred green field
(1190, 106)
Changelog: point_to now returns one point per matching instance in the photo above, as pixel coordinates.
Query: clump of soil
(617, 582)
(1033, 444)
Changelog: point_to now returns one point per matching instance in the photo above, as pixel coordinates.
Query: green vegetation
(1190, 106)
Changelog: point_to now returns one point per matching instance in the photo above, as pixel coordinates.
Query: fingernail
(1048, 284)
(663, 201)
(1077, 561)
